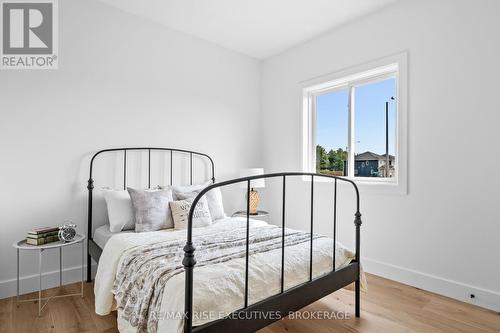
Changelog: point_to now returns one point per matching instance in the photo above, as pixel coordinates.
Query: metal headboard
(184, 152)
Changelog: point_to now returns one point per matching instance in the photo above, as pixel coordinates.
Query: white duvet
(218, 288)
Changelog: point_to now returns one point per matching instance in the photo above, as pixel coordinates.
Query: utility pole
(387, 137)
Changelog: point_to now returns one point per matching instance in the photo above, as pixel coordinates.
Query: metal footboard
(287, 300)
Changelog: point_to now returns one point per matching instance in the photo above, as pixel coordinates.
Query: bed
(248, 273)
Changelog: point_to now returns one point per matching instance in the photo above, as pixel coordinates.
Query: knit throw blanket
(144, 270)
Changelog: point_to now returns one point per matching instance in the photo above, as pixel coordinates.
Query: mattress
(102, 235)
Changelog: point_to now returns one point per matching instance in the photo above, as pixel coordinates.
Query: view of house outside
(371, 134)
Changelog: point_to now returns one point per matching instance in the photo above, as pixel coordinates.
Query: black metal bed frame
(288, 300)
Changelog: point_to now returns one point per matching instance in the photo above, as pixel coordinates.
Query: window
(355, 124)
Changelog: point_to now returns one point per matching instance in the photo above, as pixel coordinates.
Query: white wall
(444, 235)
(122, 81)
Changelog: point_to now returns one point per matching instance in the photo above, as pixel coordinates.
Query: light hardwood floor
(387, 307)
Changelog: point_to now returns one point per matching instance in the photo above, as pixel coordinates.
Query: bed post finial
(90, 185)
(357, 219)
(189, 261)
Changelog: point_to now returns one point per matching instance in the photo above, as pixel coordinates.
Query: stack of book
(42, 236)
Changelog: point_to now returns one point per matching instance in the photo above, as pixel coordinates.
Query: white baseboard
(483, 297)
(29, 283)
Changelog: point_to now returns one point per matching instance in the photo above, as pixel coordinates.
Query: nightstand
(22, 245)
(261, 215)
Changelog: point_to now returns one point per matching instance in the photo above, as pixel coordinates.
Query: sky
(369, 122)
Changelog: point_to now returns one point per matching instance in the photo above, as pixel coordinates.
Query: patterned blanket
(144, 270)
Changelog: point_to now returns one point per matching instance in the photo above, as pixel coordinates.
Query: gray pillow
(151, 209)
(214, 198)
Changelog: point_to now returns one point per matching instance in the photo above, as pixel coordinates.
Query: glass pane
(375, 140)
(331, 132)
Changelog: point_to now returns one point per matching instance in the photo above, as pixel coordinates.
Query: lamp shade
(256, 183)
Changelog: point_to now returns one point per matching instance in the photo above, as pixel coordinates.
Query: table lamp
(255, 183)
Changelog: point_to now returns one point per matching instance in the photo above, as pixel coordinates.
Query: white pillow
(180, 213)
(120, 210)
(214, 198)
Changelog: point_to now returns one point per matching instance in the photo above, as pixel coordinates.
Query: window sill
(371, 186)
(367, 185)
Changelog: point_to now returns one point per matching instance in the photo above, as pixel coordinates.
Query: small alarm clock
(67, 232)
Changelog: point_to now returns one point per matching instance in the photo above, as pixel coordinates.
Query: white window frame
(392, 66)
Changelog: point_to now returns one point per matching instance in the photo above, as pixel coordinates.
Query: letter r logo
(27, 27)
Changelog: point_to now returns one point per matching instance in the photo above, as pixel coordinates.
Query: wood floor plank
(68, 316)
(6, 315)
(25, 319)
(387, 306)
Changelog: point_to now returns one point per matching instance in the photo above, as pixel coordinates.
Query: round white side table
(23, 246)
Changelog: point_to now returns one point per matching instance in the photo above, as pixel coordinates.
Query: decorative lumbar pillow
(180, 213)
(120, 210)
(151, 209)
(214, 198)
